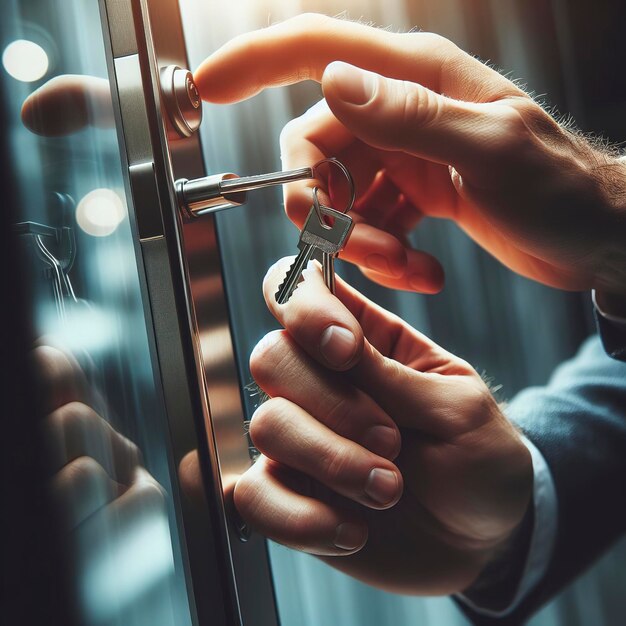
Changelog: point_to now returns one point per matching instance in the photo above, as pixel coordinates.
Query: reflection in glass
(105, 424)
(113, 510)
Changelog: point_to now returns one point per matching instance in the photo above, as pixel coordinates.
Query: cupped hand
(380, 451)
(426, 129)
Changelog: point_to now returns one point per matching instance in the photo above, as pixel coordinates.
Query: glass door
(105, 423)
(131, 338)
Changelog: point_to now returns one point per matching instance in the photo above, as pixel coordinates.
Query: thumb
(400, 115)
(416, 399)
(349, 333)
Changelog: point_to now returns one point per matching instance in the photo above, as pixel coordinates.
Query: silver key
(328, 271)
(314, 236)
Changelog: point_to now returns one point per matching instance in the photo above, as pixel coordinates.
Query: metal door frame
(228, 579)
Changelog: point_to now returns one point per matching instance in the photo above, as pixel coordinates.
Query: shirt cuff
(614, 319)
(542, 540)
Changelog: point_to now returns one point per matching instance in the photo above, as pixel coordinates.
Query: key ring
(344, 170)
(318, 210)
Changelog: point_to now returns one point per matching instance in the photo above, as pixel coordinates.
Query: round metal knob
(182, 100)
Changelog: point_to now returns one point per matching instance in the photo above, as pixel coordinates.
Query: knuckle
(309, 22)
(478, 405)
(150, 491)
(540, 125)
(85, 470)
(532, 113)
(250, 494)
(335, 462)
(268, 420)
(340, 413)
(72, 417)
(56, 375)
(47, 357)
(483, 398)
(515, 135)
(422, 107)
(461, 366)
(305, 29)
(512, 120)
(247, 43)
(394, 370)
(508, 144)
(246, 495)
(301, 525)
(267, 353)
(133, 453)
(304, 320)
(436, 42)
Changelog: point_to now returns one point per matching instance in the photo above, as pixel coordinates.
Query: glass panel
(105, 428)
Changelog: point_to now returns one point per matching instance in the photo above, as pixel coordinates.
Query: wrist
(499, 579)
(610, 281)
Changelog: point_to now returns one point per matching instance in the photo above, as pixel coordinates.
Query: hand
(377, 446)
(68, 103)
(99, 484)
(538, 197)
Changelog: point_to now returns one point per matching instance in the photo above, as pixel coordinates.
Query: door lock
(182, 100)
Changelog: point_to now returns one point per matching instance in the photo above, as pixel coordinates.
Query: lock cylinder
(181, 99)
(208, 194)
(221, 191)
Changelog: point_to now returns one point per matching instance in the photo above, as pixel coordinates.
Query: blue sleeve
(578, 423)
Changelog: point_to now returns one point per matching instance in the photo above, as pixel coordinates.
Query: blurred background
(570, 54)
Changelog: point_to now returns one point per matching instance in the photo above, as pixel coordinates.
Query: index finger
(300, 49)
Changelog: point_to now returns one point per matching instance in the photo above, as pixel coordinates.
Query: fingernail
(382, 486)
(337, 345)
(378, 263)
(352, 85)
(382, 440)
(350, 536)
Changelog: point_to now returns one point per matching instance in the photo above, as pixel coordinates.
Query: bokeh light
(100, 212)
(25, 60)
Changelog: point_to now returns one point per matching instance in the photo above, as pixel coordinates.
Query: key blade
(292, 278)
(328, 269)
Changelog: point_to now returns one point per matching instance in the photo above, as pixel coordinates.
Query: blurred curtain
(514, 330)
